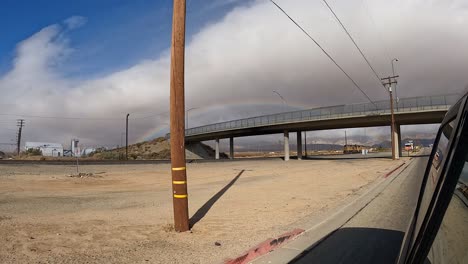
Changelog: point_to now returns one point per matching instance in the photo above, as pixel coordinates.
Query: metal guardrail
(331, 112)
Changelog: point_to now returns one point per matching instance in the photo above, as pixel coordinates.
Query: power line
(354, 42)
(79, 118)
(324, 51)
(379, 33)
(58, 117)
(153, 115)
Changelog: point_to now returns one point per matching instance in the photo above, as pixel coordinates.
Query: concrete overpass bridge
(408, 111)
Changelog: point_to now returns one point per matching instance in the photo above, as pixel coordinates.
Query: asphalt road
(375, 233)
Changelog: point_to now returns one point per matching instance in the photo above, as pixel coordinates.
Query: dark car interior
(438, 232)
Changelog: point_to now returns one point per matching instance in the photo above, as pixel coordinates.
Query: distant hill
(156, 149)
(267, 146)
(420, 141)
(417, 142)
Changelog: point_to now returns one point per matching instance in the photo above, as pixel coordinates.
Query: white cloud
(75, 22)
(233, 65)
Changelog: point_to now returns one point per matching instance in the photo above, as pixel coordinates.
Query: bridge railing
(331, 112)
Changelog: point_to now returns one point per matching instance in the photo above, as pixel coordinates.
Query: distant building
(47, 149)
(87, 151)
(75, 149)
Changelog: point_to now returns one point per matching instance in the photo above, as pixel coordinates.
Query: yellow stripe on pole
(179, 182)
(178, 169)
(180, 196)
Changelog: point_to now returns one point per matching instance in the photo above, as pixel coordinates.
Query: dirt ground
(123, 213)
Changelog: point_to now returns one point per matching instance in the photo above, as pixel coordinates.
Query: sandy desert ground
(123, 213)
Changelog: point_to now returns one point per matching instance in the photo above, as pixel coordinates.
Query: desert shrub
(34, 152)
(163, 154)
(110, 155)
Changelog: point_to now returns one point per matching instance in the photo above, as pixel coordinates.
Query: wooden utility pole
(177, 109)
(388, 82)
(20, 124)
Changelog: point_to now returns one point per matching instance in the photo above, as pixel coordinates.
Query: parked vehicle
(409, 146)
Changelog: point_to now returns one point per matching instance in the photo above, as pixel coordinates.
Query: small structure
(47, 149)
(87, 151)
(75, 149)
(2, 155)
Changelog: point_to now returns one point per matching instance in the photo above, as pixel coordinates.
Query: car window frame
(416, 246)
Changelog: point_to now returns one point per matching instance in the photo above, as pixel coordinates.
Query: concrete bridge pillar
(217, 149)
(299, 145)
(231, 148)
(286, 145)
(398, 131)
(396, 140)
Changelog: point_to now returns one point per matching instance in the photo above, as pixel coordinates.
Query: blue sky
(237, 53)
(118, 33)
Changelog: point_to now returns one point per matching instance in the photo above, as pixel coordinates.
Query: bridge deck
(418, 110)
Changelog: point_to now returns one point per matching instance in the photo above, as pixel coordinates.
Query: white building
(75, 149)
(47, 149)
(87, 151)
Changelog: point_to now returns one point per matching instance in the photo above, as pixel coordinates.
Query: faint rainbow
(161, 130)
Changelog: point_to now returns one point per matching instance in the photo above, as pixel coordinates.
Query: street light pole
(126, 137)
(282, 98)
(177, 106)
(187, 116)
(393, 72)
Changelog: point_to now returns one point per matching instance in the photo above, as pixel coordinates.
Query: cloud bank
(234, 64)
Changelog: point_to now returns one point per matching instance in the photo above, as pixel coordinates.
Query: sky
(74, 69)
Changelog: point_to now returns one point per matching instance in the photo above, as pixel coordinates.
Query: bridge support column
(299, 145)
(396, 141)
(231, 148)
(286, 145)
(398, 131)
(217, 149)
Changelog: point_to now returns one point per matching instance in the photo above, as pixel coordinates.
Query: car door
(438, 232)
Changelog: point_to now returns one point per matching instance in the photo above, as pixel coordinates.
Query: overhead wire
(325, 52)
(354, 42)
(80, 118)
(379, 33)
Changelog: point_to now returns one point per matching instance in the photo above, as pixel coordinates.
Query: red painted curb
(392, 171)
(264, 247)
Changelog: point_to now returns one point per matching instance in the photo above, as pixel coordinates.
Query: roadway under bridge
(408, 111)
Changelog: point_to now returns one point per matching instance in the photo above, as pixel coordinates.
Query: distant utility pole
(388, 81)
(177, 103)
(345, 138)
(20, 124)
(126, 138)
